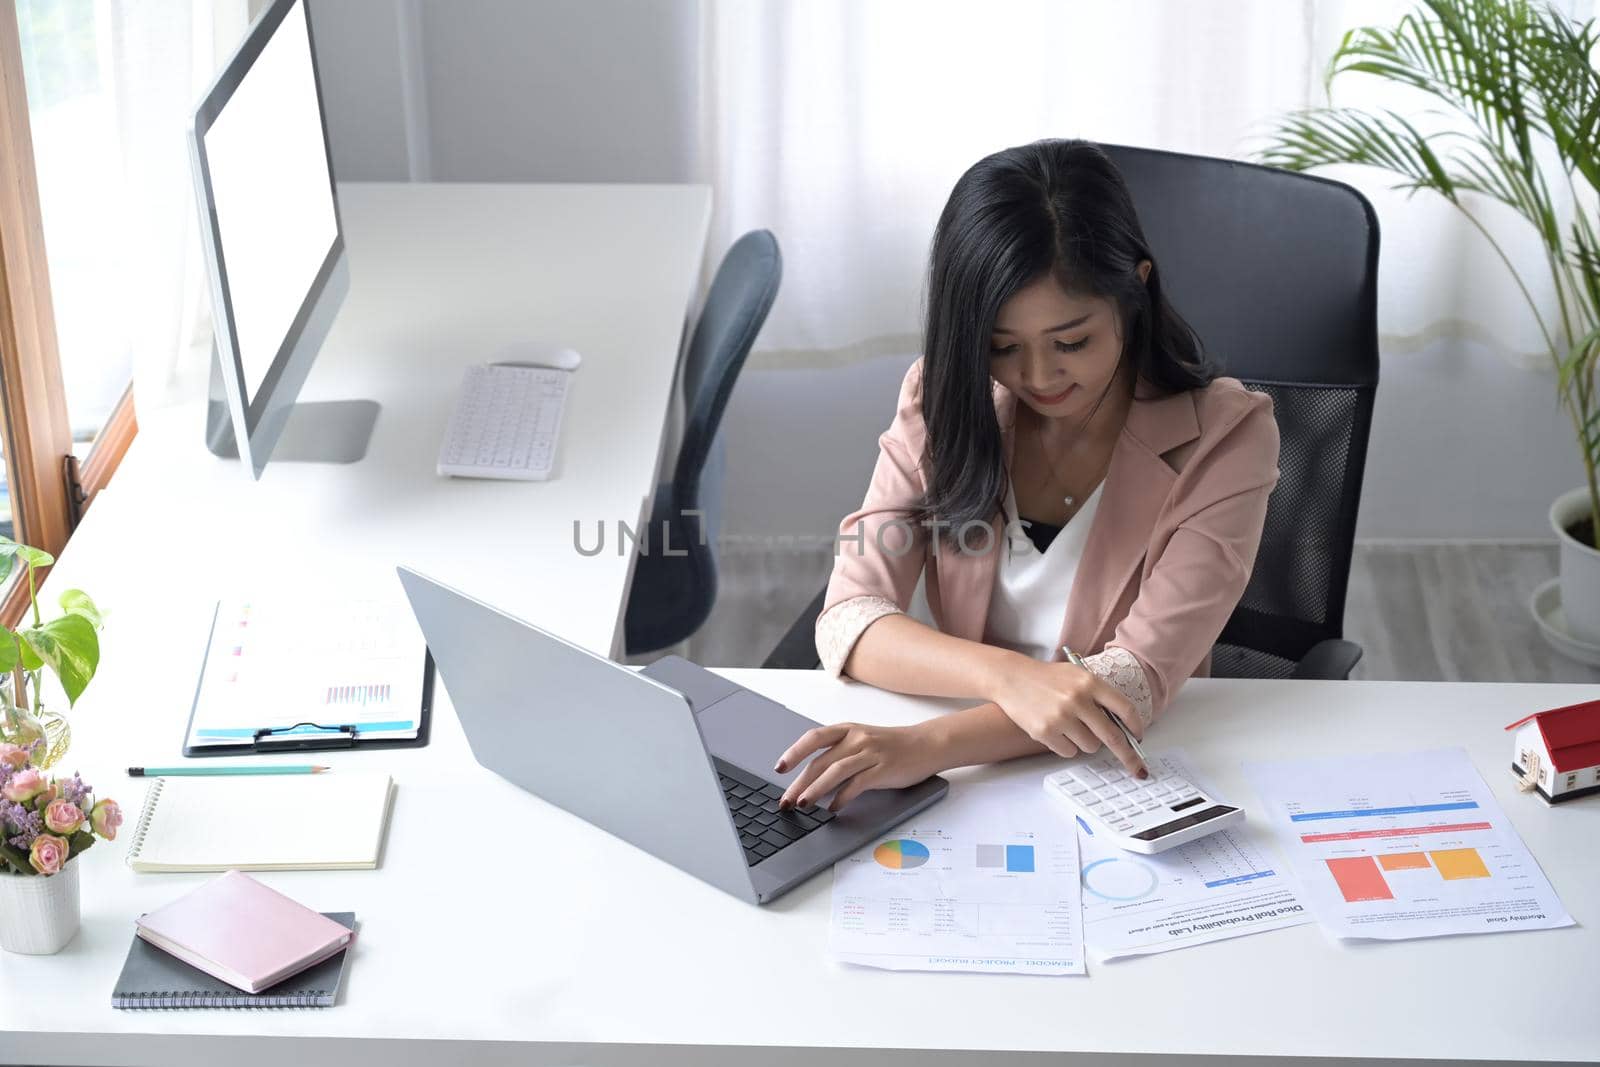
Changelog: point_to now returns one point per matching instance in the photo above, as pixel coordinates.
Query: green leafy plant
(68, 645)
(1521, 75)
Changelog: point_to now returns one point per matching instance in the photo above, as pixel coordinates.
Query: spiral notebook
(152, 978)
(291, 822)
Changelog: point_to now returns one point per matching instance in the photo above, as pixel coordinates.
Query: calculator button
(1086, 776)
(1098, 807)
(1128, 786)
(1153, 805)
(1076, 789)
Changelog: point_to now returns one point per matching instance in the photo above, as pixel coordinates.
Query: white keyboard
(1148, 815)
(505, 424)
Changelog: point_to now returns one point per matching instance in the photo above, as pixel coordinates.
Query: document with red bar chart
(1403, 845)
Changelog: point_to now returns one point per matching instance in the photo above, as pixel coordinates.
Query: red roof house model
(1572, 734)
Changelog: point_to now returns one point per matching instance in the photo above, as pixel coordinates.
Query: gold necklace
(1069, 500)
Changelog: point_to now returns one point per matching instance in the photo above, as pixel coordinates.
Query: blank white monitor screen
(273, 194)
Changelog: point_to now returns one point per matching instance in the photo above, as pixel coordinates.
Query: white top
(1031, 588)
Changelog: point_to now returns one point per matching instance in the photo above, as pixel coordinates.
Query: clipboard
(307, 736)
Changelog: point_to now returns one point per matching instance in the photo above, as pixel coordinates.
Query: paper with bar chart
(1220, 886)
(1404, 845)
(985, 880)
(277, 662)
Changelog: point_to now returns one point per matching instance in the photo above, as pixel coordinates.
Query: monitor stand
(323, 431)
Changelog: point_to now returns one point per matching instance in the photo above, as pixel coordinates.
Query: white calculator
(1140, 815)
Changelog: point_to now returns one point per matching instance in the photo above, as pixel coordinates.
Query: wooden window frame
(49, 488)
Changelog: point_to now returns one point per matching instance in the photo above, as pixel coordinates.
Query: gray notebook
(152, 978)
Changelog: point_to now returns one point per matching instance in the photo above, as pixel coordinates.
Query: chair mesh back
(1296, 593)
(1277, 274)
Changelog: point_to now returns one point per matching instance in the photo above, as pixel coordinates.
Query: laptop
(671, 758)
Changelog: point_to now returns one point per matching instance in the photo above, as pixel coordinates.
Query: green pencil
(271, 768)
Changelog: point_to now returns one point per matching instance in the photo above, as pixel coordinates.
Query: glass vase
(20, 726)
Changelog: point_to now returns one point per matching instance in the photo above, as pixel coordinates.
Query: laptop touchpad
(700, 686)
(751, 732)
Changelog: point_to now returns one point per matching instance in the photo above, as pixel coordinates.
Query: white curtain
(843, 124)
(164, 55)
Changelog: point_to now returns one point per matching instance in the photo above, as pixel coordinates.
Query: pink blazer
(1168, 554)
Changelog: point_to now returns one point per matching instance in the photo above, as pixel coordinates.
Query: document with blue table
(985, 880)
(1220, 886)
(289, 665)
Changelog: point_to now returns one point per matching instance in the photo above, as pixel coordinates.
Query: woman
(1068, 470)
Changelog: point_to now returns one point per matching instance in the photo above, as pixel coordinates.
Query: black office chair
(1277, 273)
(671, 595)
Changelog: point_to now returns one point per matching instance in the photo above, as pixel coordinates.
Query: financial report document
(1220, 886)
(1403, 845)
(985, 880)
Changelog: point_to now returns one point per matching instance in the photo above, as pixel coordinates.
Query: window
(72, 116)
(45, 485)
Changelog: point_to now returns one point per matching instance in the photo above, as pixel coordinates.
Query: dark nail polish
(1143, 773)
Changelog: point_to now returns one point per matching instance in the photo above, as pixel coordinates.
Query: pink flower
(105, 818)
(48, 853)
(13, 756)
(24, 786)
(63, 817)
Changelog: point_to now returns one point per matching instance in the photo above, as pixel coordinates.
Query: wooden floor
(1450, 612)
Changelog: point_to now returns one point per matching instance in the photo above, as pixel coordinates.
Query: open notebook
(269, 823)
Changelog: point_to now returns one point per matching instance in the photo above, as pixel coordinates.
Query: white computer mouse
(530, 354)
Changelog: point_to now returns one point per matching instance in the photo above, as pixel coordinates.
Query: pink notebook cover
(242, 932)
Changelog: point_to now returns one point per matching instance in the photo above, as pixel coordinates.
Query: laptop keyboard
(764, 831)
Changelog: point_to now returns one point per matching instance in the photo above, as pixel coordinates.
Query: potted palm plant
(1521, 78)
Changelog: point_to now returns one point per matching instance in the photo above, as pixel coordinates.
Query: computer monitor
(274, 249)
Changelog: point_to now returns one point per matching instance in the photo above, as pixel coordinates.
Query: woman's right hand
(1062, 707)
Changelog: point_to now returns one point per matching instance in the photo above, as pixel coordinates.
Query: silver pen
(1077, 661)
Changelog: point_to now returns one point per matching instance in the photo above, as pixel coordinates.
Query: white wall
(358, 61)
(1463, 445)
(510, 90)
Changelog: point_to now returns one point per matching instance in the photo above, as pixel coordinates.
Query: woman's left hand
(853, 758)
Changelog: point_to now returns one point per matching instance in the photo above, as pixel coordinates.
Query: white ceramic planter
(1580, 569)
(39, 915)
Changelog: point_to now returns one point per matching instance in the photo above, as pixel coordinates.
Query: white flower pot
(1580, 569)
(39, 914)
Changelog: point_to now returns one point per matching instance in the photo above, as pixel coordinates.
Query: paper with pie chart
(1220, 886)
(985, 880)
(1404, 844)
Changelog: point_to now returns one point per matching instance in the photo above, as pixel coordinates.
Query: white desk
(442, 275)
(573, 947)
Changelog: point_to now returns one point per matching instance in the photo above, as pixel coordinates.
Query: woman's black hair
(1058, 207)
